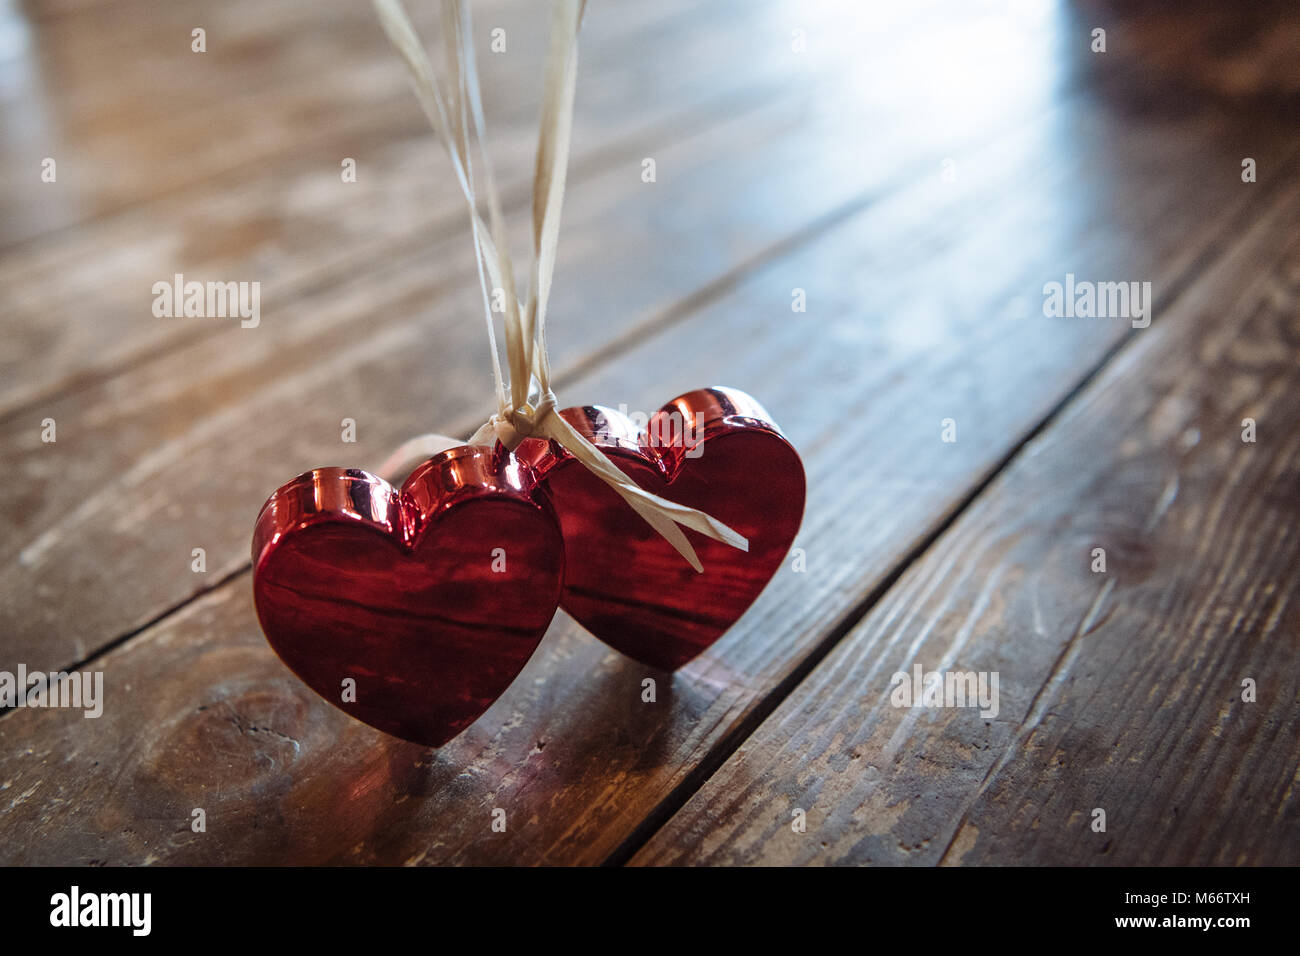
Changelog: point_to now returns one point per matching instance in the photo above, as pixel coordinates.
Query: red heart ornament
(431, 598)
(714, 449)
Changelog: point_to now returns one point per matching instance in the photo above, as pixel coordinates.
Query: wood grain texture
(778, 171)
(1119, 690)
(571, 752)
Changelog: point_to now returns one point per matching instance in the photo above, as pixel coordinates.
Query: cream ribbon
(456, 114)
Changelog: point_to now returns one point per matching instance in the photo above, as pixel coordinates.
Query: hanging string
(456, 114)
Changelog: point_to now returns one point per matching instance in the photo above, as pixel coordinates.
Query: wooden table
(921, 171)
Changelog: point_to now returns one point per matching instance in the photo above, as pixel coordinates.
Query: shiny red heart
(714, 449)
(405, 591)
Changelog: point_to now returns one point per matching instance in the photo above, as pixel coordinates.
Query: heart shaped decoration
(429, 599)
(714, 449)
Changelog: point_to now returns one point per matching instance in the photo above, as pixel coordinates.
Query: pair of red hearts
(413, 609)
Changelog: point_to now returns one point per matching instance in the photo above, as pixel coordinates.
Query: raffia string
(528, 409)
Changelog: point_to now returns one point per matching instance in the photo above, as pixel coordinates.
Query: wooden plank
(710, 217)
(913, 302)
(1119, 690)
